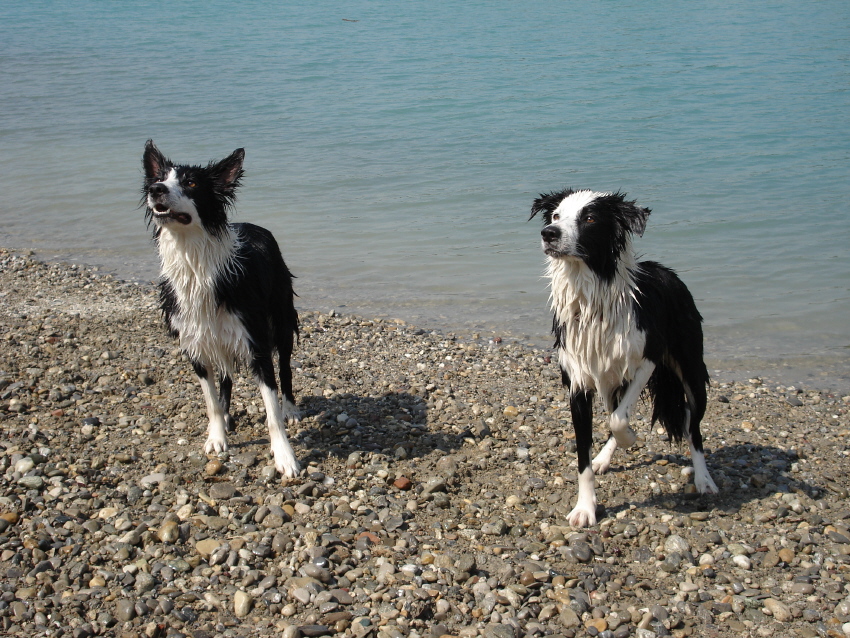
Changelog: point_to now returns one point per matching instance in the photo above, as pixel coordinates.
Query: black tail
(677, 408)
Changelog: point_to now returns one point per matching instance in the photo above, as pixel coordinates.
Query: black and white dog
(226, 292)
(620, 326)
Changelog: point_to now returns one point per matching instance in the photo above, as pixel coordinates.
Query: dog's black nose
(158, 189)
(550, 233)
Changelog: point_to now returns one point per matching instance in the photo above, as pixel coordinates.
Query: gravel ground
(438, 473)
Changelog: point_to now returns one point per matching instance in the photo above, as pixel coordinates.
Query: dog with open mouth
(226, 293)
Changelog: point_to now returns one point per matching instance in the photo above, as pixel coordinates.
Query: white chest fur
(193, 261)
(601, 346)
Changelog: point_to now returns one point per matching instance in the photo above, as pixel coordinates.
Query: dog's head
(181, 197)
(590, 226)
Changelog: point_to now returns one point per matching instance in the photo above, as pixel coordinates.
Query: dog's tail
(678, 404)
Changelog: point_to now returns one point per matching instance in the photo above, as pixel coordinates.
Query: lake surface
(395, 149)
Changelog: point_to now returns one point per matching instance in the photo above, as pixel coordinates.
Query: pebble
(207, 546)
(168, 532)
(242, 604)
(125, 610)
(24, 465)
(222, 491)
(778, 610)
(213, 467)
(786, 555)
(677, 544)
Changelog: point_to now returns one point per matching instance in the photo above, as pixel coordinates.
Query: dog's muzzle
(551, 236)
(162, 213)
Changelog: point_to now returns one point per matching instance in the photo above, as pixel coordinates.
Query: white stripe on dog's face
(172, 205)
(566, 219)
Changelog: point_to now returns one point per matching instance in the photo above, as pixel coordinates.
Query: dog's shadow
(395, 424)
(743, 472)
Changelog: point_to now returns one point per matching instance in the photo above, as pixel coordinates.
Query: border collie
(225, 291)
(620, 326)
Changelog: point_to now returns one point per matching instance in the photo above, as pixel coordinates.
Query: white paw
(287, 465)
(582, 516)
(290, 413)
(704, 484)
(601, 464)
(602, 461)
(215, 445)
(625, 437)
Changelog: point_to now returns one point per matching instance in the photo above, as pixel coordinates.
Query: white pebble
(24, 465)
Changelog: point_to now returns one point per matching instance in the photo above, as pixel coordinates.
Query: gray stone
(222, 491)
(125, 610)
(676, 543)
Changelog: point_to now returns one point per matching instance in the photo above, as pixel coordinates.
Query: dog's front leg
(581, 406)
(621, 434)
(216, 436)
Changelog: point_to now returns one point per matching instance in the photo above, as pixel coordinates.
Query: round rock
(125, 610)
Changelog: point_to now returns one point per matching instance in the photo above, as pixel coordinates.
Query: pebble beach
(437, 473)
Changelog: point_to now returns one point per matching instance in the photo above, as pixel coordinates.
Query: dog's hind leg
(621, 434)
(284, 456)
(581, 406)
(225, 384)
(284, 350)
(216, 432)
(693, 415)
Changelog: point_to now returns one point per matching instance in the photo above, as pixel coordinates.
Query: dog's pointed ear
(539, 206)
(635, 217)
(154, 161)
(228, 172)
(547, 203)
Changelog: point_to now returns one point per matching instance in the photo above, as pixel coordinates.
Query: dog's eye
(589, 219)
(556, 217)
(190, 184)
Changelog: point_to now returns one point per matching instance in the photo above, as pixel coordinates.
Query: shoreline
(826, 371)
(438, 470)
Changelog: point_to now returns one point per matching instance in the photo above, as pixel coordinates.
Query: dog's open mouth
(162, 213)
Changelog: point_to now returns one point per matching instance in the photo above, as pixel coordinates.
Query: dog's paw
(290, 413)
(582, 516)
(215, 445)
(229, 424)
(601, 463)
(287, 465)
(705, 484)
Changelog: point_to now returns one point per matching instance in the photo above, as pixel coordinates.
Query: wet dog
(225, 291)
(620, 326)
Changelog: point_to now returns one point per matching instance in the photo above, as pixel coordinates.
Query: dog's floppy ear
(633, 216)
(228, 172)
(153, 161)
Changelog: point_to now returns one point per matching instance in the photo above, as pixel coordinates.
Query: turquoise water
(395, 148)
